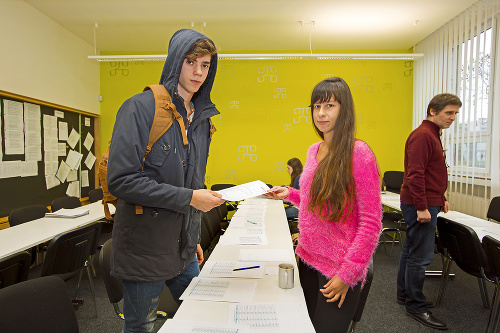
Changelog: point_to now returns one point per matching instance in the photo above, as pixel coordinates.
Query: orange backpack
(163, 119)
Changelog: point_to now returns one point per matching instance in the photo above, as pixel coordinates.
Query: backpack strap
(212, 127)
(163, 119)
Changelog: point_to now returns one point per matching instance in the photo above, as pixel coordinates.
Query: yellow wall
(264, 118)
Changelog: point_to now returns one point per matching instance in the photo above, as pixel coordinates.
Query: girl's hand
(277, 193)
(335, 289)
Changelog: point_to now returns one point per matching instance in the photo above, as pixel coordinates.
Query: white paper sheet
(245, 231)
(244, 191)
(233, 239)
(49, 122)
(265, 255)
(10, 169)
(58, 114)
(89, 140)
(61, 149)
(51, 181)
(193, 326)
(225, 269)
(29, 168)
(33, 153)
(73, 159)
(51, 168)
(13, 127)
(85, 178)
(272, 317)
(63, 131)
(245, 223)
(87, 122)
(73, 138)
(90, 160)
(72, 176)
(63, 171)
(220, 290)
(73, 189)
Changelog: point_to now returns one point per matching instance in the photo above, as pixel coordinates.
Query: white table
(267, 289)
(29, 234)
(480, 226)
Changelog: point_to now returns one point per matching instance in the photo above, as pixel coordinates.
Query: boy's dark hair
(439, 102)
(200, 48)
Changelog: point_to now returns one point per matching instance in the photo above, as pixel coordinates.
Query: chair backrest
(212, 221)
(364, 294)
(462, 245)
(36, 306)
(491, 248)
(218, 187)
(65, 202)
(494, 209)
(68, 252)
(14, 269)
(114, 287)
(26, 214)
(222, 210)
(393, 181)
(95, 195)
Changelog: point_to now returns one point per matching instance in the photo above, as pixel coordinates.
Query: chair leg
(484, 292)
(353, 327)
(493, 318)
(91, 282)
(444, 280)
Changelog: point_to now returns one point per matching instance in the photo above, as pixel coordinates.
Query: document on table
(220, 290)
(226, 269)
(69, 213)
(191, 326)
(245, 231)
(245, 223)
(264, 255)
(244, 191)
(272, 317)
(234, 239)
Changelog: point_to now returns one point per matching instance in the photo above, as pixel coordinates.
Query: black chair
(205, 242)
(392, 221)
(70, 253)
(491, 247)
(494, 210)
(37, 306)
(212, 221)
(65, 202)
(114, 286)
(95, 195)
(26, 214)
(393, 180)
(223, 212)
(362, 298)
(14, 269)
(461, 245)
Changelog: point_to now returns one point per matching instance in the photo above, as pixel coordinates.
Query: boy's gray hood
(180, 43)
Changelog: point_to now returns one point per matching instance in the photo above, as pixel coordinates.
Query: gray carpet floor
(462, 307)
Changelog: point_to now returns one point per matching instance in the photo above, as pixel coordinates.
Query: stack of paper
(68, 213)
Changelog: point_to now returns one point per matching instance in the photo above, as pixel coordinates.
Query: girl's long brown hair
(332, 188)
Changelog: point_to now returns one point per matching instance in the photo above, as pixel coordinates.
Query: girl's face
(289, 169)
(325, 115)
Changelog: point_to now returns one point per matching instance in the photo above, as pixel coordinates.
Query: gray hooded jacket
(160, 243)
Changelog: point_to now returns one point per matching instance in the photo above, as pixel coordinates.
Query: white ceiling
(254, 25)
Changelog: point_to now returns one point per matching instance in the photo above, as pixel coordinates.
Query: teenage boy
(160, 246)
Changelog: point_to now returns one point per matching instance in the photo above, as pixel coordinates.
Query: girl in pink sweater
(339, 210)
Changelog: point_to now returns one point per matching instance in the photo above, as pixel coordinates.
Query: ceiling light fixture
(272, 56)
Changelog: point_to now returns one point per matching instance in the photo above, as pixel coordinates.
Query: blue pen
(243, 268)
(251, 222)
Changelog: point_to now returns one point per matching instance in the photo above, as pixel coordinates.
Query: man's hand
(446, 207)
(277, 193)
(205, 200)
(423, 216)
(199, 254)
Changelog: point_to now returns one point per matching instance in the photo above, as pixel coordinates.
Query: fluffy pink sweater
(334, 248)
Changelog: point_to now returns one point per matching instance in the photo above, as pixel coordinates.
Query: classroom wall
(42, 60)
(265, 119)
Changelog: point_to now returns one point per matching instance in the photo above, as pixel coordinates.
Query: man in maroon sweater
(422, 198)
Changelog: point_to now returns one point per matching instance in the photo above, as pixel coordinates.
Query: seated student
(294, 168)
(339, 210)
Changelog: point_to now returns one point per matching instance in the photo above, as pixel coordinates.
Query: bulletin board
(24, 170)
